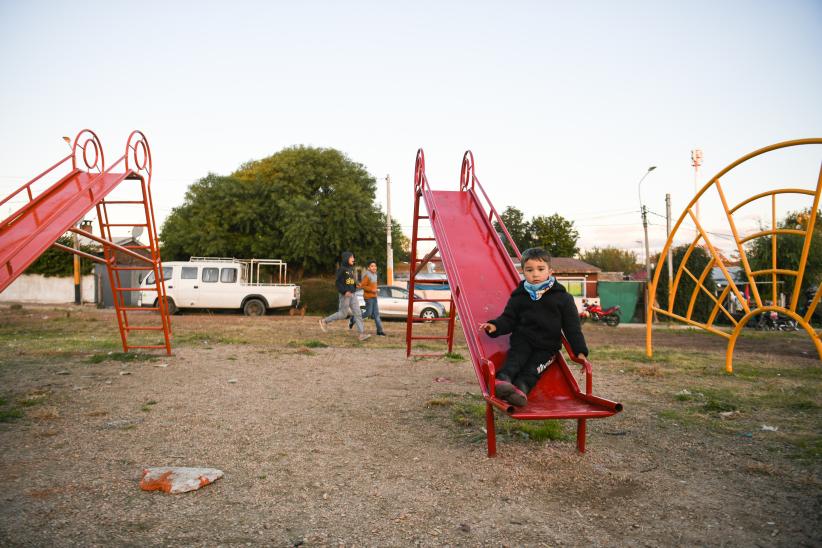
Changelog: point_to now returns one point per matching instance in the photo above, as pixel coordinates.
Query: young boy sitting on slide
(538, 312)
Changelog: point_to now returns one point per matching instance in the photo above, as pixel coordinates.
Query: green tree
(304, 205)
(788, 252)
(611, 259)
(57, 262)
(697, 262)
(555, 234)
(518, 228)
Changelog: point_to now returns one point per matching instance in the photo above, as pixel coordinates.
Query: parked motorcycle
(773, 321)
(595, 313)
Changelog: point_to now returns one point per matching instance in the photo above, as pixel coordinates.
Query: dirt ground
(344, 445)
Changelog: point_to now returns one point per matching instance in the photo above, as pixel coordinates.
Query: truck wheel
(172, 308)
(254, 307)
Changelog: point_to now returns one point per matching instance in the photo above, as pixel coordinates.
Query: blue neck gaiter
(536, 291)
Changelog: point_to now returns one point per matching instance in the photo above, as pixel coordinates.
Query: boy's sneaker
(364, 336)
(381, 334)
(323, 325)
(510, 393)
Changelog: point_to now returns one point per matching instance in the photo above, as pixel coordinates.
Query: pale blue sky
(565, 104)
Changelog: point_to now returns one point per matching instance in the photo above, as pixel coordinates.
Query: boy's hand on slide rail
(487, 327)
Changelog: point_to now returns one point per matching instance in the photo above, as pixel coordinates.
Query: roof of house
(567, 265)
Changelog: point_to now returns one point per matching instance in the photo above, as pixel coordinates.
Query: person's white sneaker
(364, 336)
(323, 325)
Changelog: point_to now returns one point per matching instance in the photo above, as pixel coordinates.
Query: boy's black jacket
(540, 323)
(346, 280)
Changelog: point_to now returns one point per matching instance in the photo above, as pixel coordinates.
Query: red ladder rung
(138, 309)
(117, 202)
(155, 347)
(135, 289)
(418, 319)
(131, 268)
(413, 338)
(144, 328)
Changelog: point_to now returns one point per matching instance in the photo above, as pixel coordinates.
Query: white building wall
(36, 288)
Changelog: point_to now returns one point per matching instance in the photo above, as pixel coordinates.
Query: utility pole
(78, 293)
(389, 251)
(647, 251)
(670, 248)
(696, 161)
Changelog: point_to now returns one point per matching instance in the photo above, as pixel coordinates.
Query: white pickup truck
(251, 285)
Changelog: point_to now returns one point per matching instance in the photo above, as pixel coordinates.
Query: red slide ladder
(50, 213)
(481, 277)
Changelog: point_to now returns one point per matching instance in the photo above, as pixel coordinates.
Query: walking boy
(538, 312)
(369, 294)
(348, 305)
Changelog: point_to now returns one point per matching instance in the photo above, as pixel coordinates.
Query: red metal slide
(48, 214)
(481, 277)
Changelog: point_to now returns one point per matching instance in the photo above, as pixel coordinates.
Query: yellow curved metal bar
(729, 353)
(679, 270)
(717, 302)
(699, 286)
(742, 256)
(774, 271)
(718, 306)
(812, 305)
(770, 193)
(688, 212)
(724, 269)
(803, 260)
(772, 232)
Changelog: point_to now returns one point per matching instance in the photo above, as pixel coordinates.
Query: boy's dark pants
(524, 365)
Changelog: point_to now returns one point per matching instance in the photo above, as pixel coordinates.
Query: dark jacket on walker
(346, 279)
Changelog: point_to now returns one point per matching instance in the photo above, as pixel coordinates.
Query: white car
(393, 303)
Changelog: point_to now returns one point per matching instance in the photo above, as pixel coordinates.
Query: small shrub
(8, 415)
(319, 295)
(147, 406)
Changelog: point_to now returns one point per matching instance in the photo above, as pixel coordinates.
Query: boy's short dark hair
(535, 253)
(369, 263)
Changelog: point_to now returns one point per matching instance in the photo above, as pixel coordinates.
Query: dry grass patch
(47, 413)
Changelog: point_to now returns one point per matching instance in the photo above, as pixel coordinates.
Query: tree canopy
(697, 262)
(788, 253)
(555, 234)
(57, 262)
(303, 205)
(611, 259)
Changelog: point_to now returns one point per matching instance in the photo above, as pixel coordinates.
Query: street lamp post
(644, 211)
